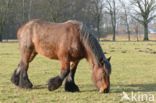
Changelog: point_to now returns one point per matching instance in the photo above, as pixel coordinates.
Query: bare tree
(126, 15)
(136, 28)
(87, 11)
(26, 9)
(98, 12)
(58, 9)
(145, 9)
(30, 9)
(3, 18)
(23, 9)
(111, 9)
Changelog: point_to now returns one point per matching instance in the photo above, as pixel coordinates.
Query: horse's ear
(109, 59)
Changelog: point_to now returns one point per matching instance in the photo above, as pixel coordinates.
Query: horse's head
(101, 75)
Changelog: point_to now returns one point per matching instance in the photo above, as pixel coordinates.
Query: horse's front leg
(70, 85)
(56, 82)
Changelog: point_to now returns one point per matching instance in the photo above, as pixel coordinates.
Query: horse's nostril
(101, 91)
(104, 91)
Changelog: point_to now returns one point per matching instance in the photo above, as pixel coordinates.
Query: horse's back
(52, 39)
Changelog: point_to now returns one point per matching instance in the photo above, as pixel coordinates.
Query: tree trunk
(98, 33)
(98, 27)
(127, 27)
(113, 33)
(30, 8)
(137, 36)
(23, 11)
(129, 36)
(137, 31)
(146, 32)
(0, 37)
(129, 33)
(113, 26)
(114, 20)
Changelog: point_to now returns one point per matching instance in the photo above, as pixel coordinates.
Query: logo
(137, 97)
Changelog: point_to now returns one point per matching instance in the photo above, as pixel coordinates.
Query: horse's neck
(93, 48)
(91, 57)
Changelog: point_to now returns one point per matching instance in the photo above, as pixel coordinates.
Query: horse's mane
(90, 41)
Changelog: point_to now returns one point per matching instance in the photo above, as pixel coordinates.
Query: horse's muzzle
(104, 91)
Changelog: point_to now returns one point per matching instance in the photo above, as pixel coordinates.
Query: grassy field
(133, 37)
(133, 70)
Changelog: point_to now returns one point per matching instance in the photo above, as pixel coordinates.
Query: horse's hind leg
(70, 85)
(20, 76)
(56, 82)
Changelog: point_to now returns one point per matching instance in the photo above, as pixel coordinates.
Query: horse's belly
(48, 52)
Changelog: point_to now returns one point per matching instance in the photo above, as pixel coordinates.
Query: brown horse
(69, 42)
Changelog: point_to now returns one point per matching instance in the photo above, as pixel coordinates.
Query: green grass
(133, 70)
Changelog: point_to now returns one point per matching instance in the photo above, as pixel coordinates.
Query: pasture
(133, 70)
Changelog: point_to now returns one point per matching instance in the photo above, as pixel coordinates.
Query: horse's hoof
(71, 87)
(54, 83)
(24, 81)
(26, 84)
(15, 78)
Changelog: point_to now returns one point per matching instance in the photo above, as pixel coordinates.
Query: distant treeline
(101, 16)
(13, 13)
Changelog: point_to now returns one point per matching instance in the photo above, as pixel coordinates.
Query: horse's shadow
(41, 86)
(134, 88)
(115, 88)
(83, 87)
